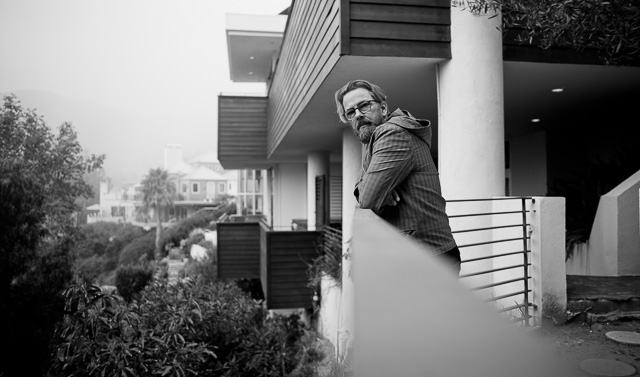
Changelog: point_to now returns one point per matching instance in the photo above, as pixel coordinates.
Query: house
(200, 183)
(115, 204)
(509, 118)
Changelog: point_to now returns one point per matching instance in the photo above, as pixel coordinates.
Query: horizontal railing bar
(530, 305)
(486, 213)
(490, 199)
(495, 241)
(494, 256)
(507, 295)
(497, 284)
(488, 228)
(494, 270)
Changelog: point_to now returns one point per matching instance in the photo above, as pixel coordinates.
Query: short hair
(376, 92)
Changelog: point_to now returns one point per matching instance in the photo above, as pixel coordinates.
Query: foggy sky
(131, 76)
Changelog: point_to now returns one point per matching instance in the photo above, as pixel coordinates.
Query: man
(399, 180)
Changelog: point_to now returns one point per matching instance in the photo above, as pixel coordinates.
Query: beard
(365, 133)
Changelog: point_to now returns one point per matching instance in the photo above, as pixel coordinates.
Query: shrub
(184, 329)
(139, 250)
(131, 279)
(202, 219)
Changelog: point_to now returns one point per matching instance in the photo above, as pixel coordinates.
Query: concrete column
(351, 166)
(317, 164)
(266, 191)
(548, 270)
(471, 109)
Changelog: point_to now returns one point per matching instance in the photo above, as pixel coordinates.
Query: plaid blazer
(398, 157)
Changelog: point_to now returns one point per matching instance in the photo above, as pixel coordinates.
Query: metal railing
(514, 221)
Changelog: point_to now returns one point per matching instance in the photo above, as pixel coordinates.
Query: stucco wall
(290, 194)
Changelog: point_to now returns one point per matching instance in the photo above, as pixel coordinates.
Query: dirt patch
(578, 341)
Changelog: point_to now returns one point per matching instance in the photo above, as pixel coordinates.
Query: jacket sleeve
(390, 165)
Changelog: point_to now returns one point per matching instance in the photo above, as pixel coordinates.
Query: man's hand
(392, 199)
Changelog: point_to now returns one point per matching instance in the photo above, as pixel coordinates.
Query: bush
(187, 328)
(139, 250)
(206, 269)
(202, 219)
(131, 279)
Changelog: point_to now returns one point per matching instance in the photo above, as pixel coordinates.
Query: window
(185, 188)
(195, 188)
(222, 187)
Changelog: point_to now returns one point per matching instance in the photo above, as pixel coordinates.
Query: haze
(131, 76)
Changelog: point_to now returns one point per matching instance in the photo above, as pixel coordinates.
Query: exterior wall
(285, 271)
(614, 243)
(242, 130)
(294, 83)
(238, 250)
(397, 28)
(290, 194)
(528, 155)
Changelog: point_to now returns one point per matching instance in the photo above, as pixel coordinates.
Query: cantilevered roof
(253, 42)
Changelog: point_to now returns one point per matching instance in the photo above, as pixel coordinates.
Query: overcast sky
(131, 75)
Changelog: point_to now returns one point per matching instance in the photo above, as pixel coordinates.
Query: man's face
(363, 125)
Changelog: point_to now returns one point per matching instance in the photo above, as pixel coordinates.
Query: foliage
(184, 329)
(611, 27)
(41, 177)
(158, 193)
(583, 189)
(131, 279)
(140, 249)
(329, 263)
(99, 246)
(54, 163)
(202, 219)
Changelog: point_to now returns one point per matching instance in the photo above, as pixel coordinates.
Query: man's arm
(390, 165)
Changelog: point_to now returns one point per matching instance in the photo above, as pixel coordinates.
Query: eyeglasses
(363, 107)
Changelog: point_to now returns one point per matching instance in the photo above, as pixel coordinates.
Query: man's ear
(383, 105)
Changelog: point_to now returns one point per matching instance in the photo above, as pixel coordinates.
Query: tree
(41, 176)
(609, 27)
(158, 193)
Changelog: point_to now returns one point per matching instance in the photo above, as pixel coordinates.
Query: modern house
(509, 119)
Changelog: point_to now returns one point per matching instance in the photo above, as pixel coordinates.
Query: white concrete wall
(330, 301)
(614, 243)
(528, 155)
(290, 194)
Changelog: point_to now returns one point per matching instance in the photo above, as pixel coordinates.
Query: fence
(493, 236)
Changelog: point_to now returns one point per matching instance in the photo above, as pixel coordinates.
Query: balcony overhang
(253, 44)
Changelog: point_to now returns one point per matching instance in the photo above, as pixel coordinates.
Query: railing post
(526, 261)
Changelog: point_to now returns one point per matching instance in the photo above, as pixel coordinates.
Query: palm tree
(158, 192)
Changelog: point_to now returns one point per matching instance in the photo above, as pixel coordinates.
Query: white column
(471, 109)
(548, 269)
(317, 164)
(351, 165)
(266, 192)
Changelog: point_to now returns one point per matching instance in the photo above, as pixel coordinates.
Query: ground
(577, 341)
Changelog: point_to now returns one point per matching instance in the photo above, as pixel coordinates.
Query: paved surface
(602, 287)
(625, 337)
(607, 367)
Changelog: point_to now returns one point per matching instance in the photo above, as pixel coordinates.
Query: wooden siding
(407, 28)
(286, 257)
(309, 52)
(319, 32)
(242, 128)
(238, 250)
